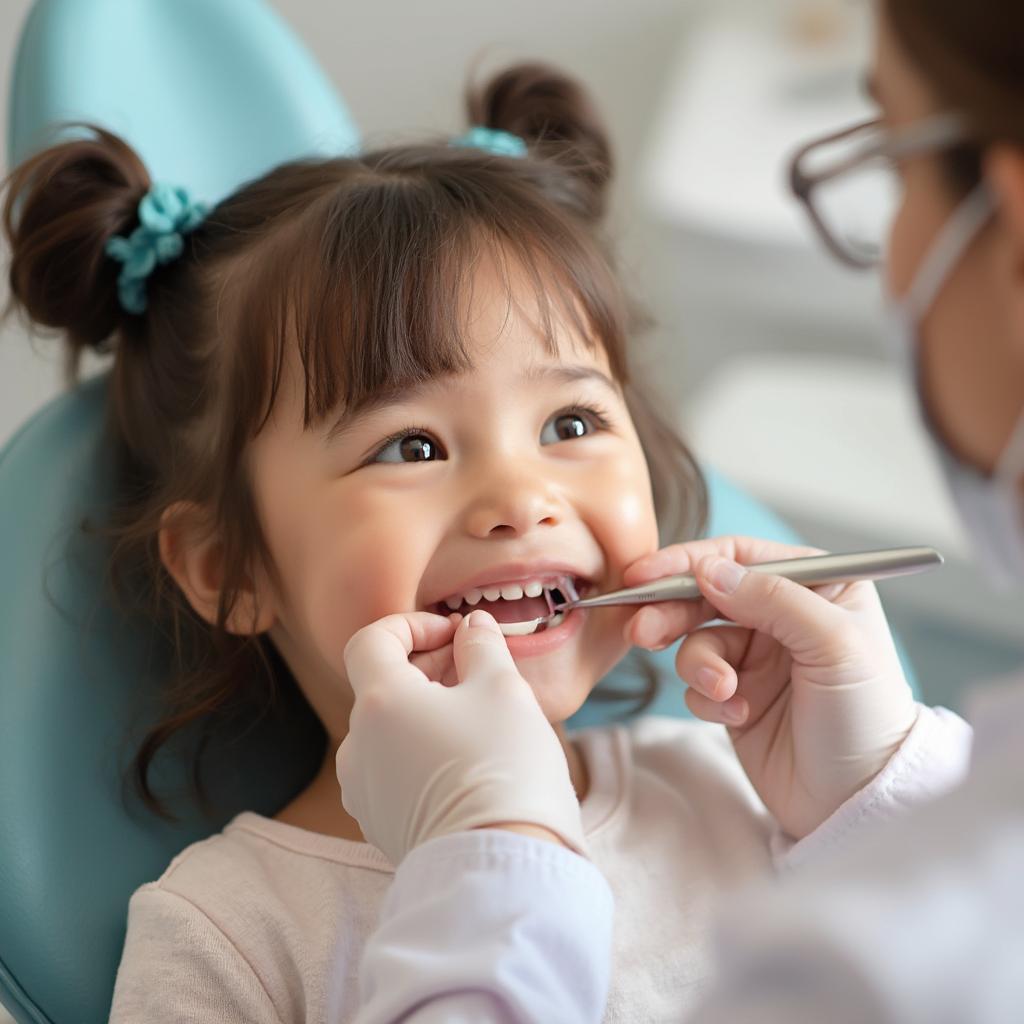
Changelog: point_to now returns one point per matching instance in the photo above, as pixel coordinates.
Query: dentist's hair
(972, 57)
(359, 261)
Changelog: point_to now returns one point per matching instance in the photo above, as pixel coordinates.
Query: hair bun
(62, 206)
(556, 118)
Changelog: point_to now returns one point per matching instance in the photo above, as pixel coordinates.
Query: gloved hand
(422, 759)
(808, 682)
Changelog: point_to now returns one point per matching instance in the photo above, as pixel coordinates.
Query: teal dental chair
(210, 92)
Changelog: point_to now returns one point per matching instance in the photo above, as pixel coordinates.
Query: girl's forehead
(505, 365)
(506, 318)
(516, 339)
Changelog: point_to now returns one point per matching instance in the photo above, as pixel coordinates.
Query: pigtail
(558, 121)
(61, 208)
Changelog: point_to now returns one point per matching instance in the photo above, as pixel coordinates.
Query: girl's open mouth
(521, 611)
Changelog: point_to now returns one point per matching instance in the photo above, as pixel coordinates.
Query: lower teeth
(529, 628)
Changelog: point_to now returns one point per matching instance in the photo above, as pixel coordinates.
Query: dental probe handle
(816, 570)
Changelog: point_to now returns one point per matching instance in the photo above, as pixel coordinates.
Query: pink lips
(537, 644)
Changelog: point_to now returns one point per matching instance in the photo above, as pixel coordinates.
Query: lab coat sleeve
(490, 926)
(932, 760)
(916, 922)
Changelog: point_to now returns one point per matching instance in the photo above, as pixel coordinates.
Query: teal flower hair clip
(494, 140)
(166, 214)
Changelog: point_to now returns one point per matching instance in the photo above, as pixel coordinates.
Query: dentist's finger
(678, 558)
(439, 664)
(655, 626)
(379, 652)
(706, 658)
(481, 651)
(659, 624)
(733, 712)
(812, 629)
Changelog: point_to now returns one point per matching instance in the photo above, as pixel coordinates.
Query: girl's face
(505, 473)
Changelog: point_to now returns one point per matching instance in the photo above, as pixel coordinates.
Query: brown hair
(972, 56)
(361, 259)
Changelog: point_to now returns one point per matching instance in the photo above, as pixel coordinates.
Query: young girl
(391, 382)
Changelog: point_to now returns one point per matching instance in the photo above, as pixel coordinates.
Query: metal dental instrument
(813, 571)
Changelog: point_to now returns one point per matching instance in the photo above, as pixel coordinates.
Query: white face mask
(990, 508)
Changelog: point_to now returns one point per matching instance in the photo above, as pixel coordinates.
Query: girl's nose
(507, 504)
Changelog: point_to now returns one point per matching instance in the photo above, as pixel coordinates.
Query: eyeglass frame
(939, 131)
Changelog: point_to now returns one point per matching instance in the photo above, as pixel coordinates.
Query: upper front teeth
(509, 591)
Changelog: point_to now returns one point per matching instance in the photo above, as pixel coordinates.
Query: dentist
(920, 921)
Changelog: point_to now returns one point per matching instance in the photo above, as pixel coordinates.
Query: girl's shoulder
(211, 872)
(261, 907)
(223, 854)
(257, 855)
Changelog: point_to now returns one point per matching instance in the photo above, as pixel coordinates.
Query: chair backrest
(211, 93)
(77, 686)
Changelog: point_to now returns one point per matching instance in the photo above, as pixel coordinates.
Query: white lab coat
(922, 920)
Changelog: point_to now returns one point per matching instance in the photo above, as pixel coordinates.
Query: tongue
(523, 610)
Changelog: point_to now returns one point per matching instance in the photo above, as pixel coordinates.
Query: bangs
(370, 284)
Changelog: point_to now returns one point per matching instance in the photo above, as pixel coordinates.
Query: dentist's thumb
(806, 624)
(481, 652)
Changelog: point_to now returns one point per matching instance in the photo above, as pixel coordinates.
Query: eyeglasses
(850, 184)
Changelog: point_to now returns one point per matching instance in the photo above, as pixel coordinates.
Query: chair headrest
(210, 93)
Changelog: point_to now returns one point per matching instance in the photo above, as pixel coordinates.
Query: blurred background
(772, 354)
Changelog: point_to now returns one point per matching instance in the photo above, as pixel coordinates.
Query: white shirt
(922, 921)
(269, 922)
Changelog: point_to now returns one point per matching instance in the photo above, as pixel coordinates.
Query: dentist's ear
(194, 558)
(1004, 169)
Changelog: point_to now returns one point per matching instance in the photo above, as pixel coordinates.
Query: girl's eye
(410, 445)
(414, 444)
(579, 421)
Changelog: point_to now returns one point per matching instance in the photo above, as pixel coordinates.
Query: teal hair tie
(494, 140)
(166, 214)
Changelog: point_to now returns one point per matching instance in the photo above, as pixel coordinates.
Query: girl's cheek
(624, 512)
(374, 570)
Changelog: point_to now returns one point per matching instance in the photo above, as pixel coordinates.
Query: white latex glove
(422, 759)
(808, 682)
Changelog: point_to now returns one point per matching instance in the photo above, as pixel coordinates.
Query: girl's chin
(552, 665)
(562, 665)
(559, 706)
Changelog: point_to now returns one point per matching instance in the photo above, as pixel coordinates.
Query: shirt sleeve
(919, 921)
(178, 967)
(932, 760)
(490, 926)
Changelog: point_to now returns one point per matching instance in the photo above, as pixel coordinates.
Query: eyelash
(599, 415)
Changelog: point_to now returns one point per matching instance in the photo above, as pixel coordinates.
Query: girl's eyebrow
(560, 373)
(557, 373)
